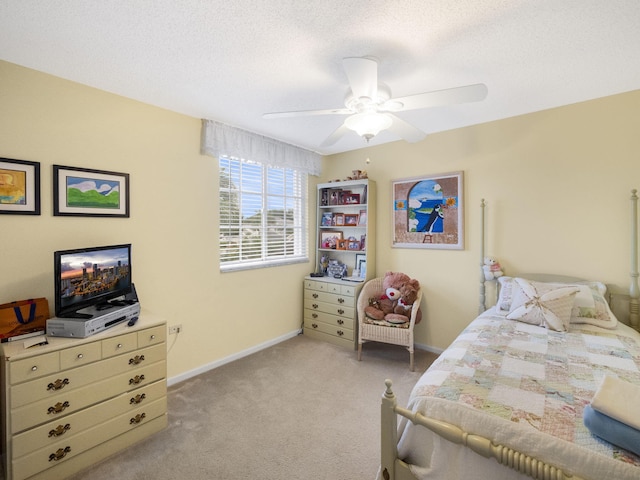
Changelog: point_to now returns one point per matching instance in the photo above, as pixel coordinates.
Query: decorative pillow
(542, 304)
(590, 305)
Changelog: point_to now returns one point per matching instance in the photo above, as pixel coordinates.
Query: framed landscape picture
(427, 212)
(19, 187)
(90, 193)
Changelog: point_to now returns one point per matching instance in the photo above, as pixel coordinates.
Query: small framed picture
(327, 218)
(351, 219)
(83, 192)
(338, 219)
(19, 187)
(353, 245)
(352, 199)
(363, 269)
(329, 239)
(342, 244)
(362, 218)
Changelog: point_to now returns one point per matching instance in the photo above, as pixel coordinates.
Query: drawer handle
(136, 360)
(340, 321)
(137, 399)
(340, 311)
(315, 305)
(314, 315)
(60, 454)
(314, 325)
(340, 332)
(59, 430)
(58, 384)
(137, 419)
(341, 300)
(58, 407)
(136, 380)
(34, 368)
(315, 295)
(119, 345)
(152, 337)
(80, 356)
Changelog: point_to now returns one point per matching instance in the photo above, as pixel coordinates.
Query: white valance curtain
(219, 140)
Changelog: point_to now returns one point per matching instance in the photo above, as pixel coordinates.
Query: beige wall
(557, 184)
(173, 223)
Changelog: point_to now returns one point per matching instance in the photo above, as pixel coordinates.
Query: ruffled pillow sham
(542, 304)
(589, 304)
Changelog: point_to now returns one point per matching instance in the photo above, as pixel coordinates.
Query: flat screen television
(91, 277)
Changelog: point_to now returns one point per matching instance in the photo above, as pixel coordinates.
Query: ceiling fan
(371, 107)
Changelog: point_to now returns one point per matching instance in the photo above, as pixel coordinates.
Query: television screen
(90, 277)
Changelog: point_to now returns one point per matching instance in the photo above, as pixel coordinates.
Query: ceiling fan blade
(337, 134)
(405, 130)
(363, 76)
(304, 113)
(449, 96)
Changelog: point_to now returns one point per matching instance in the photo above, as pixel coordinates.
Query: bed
(505, 400)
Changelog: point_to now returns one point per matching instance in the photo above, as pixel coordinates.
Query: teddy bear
(491, 268)
(391, 283)
(408, 296)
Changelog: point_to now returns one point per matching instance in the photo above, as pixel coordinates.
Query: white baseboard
(429, 348)
(236, 356)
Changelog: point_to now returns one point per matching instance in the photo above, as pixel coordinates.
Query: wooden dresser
(330, 310)
(74, 402)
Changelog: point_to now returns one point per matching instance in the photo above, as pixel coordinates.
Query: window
(262, 215)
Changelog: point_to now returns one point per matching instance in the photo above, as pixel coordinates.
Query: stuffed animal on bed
(391, 283)
(408, 296)
(491, 268)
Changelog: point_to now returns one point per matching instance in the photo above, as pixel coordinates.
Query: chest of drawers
(73, 402)
(330, 310)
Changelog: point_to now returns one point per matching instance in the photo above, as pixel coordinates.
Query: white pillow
(542, 304)
(590, 305)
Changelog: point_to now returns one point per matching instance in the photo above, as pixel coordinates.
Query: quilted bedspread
(533, 383)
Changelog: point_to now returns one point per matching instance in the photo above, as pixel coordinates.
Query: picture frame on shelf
(334, 196)
(329, 239)
(363, 243)
(327, 219)
(363, 268)
(338, 219)
(351, 199)
(351, 219)
(84, 192)
(19, 187)
(342, 244)
(353, 245)
(362, 218)
(428, 212)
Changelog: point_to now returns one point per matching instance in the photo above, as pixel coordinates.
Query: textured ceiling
(234, 60)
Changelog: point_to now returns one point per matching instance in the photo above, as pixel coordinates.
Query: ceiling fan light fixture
(368, 125)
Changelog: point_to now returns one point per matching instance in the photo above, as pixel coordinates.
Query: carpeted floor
(302, 409)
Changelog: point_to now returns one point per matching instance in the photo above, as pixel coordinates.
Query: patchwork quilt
(525, 387)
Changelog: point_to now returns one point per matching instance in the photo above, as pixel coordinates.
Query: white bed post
(483, 297)
(389, 433)
(634, 291)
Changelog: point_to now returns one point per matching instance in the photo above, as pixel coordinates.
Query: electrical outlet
(175, 329)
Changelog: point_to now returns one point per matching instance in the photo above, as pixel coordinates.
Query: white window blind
(263, 197)
(262, 215)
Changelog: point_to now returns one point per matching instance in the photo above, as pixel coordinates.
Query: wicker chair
(385, 332)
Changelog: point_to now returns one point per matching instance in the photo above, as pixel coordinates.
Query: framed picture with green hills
(83, 192)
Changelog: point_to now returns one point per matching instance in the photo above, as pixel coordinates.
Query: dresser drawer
(152, 336)
(337, 299)
(54, 432)
(120, 344)
(345, 290)
(33, 367)
(61, 383)
(341, 332)
(331, 308)
(68, 448)
(338, 321)
(315, 285)
(68, 402)
(80, 355)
